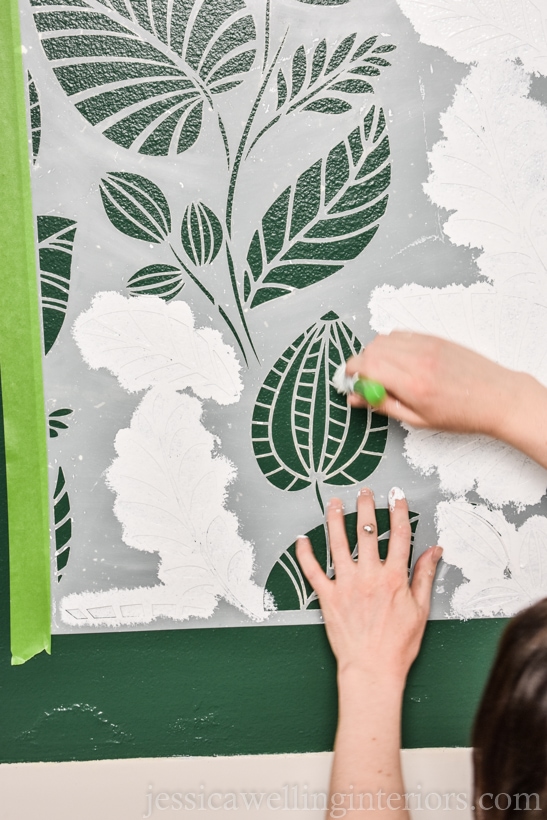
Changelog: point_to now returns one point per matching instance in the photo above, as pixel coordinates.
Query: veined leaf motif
(326, 219)
(287, 583)
(311, 82)
(201, 234)
(35, 116)
(63, 524)
(142, 71)
(156, 280)
(136, 206)
(55, 423)
(303, 430)
(55, 243)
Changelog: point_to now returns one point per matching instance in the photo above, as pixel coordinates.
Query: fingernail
(336, 505)
(366, 491)
(301, 537)
(395, 494)
(437, 553)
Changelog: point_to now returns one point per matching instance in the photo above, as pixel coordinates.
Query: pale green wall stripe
(21, 364)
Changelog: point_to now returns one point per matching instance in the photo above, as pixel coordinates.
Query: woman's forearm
(525, 426)
(366, 776)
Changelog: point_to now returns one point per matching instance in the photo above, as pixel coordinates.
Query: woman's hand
(375, 621)
(435, 383)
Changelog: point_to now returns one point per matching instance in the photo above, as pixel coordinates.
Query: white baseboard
(132, 789)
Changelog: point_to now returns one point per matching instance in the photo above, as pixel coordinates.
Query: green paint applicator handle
(373, 392)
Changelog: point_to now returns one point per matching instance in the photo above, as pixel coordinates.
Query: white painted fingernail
(366, 491)
(395, 494)
(298, 537)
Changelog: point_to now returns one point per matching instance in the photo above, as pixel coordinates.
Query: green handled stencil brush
(373, 392)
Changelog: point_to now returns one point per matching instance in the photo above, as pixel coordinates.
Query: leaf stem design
(235, 289)
(224, 139)
(267, 36)
(213, 301)
(318, 495)
(245, 137)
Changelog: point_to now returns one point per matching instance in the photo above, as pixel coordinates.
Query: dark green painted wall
(215, 691)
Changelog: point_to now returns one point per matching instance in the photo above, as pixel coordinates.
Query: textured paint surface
(505, 567)
(498, 322)
(472, 31)
(170, 499)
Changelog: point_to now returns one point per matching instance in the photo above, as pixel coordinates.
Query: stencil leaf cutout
(55, 423)
(287, 584)
(156, 280)
(326, 219)
(35, 116)
(201, 234)
(136, 206)
(303, 431)
(55, 244)
(140, 74)
(145, 342)
(63, 524)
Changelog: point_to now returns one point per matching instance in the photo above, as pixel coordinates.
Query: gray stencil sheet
(212, 229)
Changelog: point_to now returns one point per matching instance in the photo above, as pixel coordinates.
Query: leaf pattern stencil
(312, 80)
(55, 423)
(63, 524)
(475, 30)
(287, 586)
(490, 171)
(163, 280)
(170, 498)
(35, 116)
(136, 206)
(505, 567)
(142, 72)
(55, 243)
(303, 431)
(145, 342)
(326, 219)
(506, 327)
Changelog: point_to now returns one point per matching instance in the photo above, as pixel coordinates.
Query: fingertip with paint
(394, 495)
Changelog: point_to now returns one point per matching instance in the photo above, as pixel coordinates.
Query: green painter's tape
(21, 364)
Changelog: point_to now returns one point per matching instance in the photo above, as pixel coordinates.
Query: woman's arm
(435, 383)
(375, 622)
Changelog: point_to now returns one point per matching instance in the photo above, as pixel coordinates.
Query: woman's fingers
(338, 540)
(367, 532)
(398, 551)
(424, 575)
(310, 565)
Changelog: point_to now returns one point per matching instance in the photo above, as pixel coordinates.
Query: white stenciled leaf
(505, 567)
(491, 171)
(170, 499)
(472, 30)
(146, 342)
(508, 328)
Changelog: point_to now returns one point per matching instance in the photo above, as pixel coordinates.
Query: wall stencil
(230, 201)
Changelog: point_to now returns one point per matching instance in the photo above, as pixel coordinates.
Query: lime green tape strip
(21, 364)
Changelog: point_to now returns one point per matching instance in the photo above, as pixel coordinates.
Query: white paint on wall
(505, 567)
(472, 30)
(490, 171)
(170, 490)
(144, 342)
(504, 326)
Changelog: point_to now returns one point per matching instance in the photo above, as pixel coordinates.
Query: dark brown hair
(510, 731)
